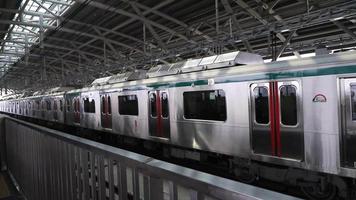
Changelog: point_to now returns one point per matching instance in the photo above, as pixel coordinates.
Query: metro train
(289, 121)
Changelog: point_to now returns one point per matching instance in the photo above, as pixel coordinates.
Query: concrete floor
(7, 190)
(4, 188)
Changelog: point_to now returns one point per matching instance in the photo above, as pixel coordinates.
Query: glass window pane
(153, 105)
(68, 105)
(75, 104)
(128, 105)
(54, 105)
(61, 105)
(261, 105)
(206, 105)
(86, 105)
(48, 105)
(353, 101)
(89, 105)
(165, 108)
(288, 96)
(92, 106)
(103, 104)
(78, 108)
(109, 105)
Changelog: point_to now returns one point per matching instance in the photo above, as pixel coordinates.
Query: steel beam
(229, 10)
(77, 23)
(12, 27)
(56, 47)
(278, 18)
(116, 53)
(44, 7)
(58, 2)
(256, 15)
(345, 29)
(164, 3)
(285, 44)
(70, 31)
(165, 16)
(150, 28)
(102, 6)
(146, 12)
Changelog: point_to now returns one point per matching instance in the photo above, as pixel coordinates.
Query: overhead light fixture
(285, 30)
(338, 18)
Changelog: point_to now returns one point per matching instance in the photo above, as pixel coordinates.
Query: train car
(289, 121)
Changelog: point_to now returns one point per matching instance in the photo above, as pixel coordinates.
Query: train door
(276, 116)
(106, 117)
(159, 120)
(348, 138)
(76, 110)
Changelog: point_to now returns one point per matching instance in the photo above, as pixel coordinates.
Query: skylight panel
(15, 41)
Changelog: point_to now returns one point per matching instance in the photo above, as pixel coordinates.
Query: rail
(48, 164)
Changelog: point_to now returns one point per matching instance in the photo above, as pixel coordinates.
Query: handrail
(48, 164)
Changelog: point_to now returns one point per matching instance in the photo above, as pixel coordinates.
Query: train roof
(322, 61)
(338, 59)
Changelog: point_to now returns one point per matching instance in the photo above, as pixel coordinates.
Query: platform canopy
(50, 43)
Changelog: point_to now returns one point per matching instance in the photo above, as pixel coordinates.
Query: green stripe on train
(264, 76)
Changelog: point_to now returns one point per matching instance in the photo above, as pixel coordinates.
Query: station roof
(50, 43)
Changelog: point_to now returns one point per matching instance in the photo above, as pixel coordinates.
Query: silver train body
(315, 130)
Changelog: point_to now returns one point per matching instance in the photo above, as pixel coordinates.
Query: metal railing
(51, 165)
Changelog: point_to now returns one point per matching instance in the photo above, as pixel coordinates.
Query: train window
(55, 107)
(206, 105)
(288, 98)
(153, 105)
(48, 105)
(353, 101)
(106, 105)
(75, 105)
(68, 104)
(61, 105)
(128, 105)
(261, 105)
(103, 104)
(89, 106)
(165, 108)
(86, 104)
(109, 105)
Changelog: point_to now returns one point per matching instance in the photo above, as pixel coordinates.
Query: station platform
(48, 164)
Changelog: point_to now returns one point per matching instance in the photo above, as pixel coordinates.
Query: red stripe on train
(277, 118)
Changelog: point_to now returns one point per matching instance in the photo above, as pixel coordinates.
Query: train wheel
(246, 177)
(317, 192)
